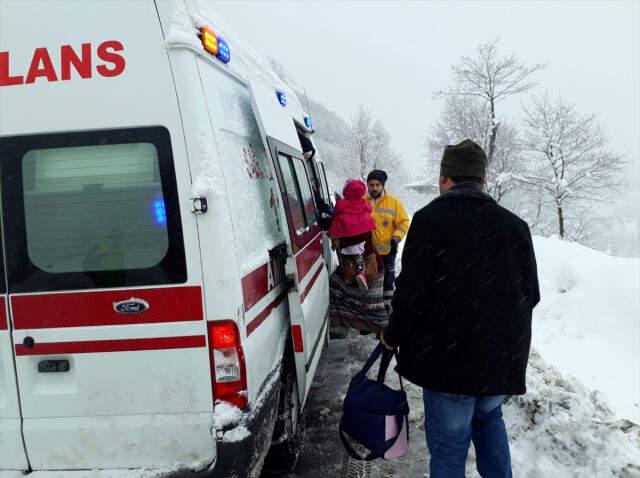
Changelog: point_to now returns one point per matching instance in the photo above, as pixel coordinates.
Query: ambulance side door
(308, 299)
(309, 296)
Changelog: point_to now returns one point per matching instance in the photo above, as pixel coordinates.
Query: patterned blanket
(351, 307)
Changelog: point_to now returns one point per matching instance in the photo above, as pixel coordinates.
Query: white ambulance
(163, 290)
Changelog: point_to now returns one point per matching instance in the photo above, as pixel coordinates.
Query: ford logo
(131, 306)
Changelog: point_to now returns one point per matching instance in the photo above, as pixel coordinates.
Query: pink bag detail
(401, 446)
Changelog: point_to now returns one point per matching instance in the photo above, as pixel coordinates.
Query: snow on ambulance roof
(245, 62)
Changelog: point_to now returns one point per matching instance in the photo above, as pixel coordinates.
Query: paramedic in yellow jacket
(392, 224)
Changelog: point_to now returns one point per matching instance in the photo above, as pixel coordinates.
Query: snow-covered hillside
(588, 321)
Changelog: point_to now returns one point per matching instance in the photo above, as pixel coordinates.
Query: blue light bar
(282, 98)
(224, 52)
(159, 211)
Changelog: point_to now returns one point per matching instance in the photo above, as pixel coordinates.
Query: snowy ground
(557, 429)
(587, 325)
(588, 321)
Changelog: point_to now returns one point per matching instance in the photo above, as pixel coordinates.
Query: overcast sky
(391, 56)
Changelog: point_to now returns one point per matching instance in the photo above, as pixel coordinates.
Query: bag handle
(384, 365)
(379, 452)
(372, 359)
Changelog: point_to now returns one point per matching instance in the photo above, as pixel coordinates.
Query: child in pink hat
(351, 225)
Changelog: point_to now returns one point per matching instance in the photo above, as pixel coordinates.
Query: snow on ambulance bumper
(241, 449)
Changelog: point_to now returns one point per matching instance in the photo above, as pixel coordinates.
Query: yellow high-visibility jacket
(391, 220)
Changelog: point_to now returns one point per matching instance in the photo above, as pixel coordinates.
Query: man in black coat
(462, 315)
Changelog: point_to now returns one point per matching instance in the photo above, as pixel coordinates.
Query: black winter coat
(464, 299)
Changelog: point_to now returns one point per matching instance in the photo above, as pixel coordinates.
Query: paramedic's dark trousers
(389, 276)
(452, 422)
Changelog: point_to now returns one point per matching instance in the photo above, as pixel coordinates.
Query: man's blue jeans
(453, 421)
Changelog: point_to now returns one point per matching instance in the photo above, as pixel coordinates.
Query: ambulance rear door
(12, 454)
(309, 298)
(101, 253)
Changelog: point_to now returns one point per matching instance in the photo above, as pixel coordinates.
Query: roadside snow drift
(561, 429)
(588, 321)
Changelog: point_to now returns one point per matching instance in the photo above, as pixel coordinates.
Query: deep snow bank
(588, 321)
(561, 429)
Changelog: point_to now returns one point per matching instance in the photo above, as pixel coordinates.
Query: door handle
(28, 342)
(50, 366)
(199, 205)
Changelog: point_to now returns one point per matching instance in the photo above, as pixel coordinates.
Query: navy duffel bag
(374, 415)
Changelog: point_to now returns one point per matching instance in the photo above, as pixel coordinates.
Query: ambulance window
(305, 189)
(313, 176)
(94, 209)
(323, 180)
(293, 195)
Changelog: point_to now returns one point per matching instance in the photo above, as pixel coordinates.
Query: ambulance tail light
(228, 369)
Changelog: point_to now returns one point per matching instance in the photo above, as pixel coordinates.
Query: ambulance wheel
(287, 433)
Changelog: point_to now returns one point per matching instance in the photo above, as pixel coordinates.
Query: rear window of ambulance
(94, 208)
(90, 210)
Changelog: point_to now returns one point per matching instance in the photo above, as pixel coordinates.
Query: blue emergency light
(224, 53)
(159, 211)
(307, 122)
(282, 98)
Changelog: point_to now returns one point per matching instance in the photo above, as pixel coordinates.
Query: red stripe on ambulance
(42, 66)
(255, 286)
(313, 280)
(262, 316)
(308, 256)
(86, 309)
(3, 315)
(122, 345)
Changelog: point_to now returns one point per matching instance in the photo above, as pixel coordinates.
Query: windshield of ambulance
(91, 210)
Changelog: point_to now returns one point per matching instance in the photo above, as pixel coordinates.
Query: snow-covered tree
(466, 117)
(569, 162)
(368, 146)
(490, 78)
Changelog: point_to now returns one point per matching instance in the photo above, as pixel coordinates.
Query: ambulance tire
(289, 427)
